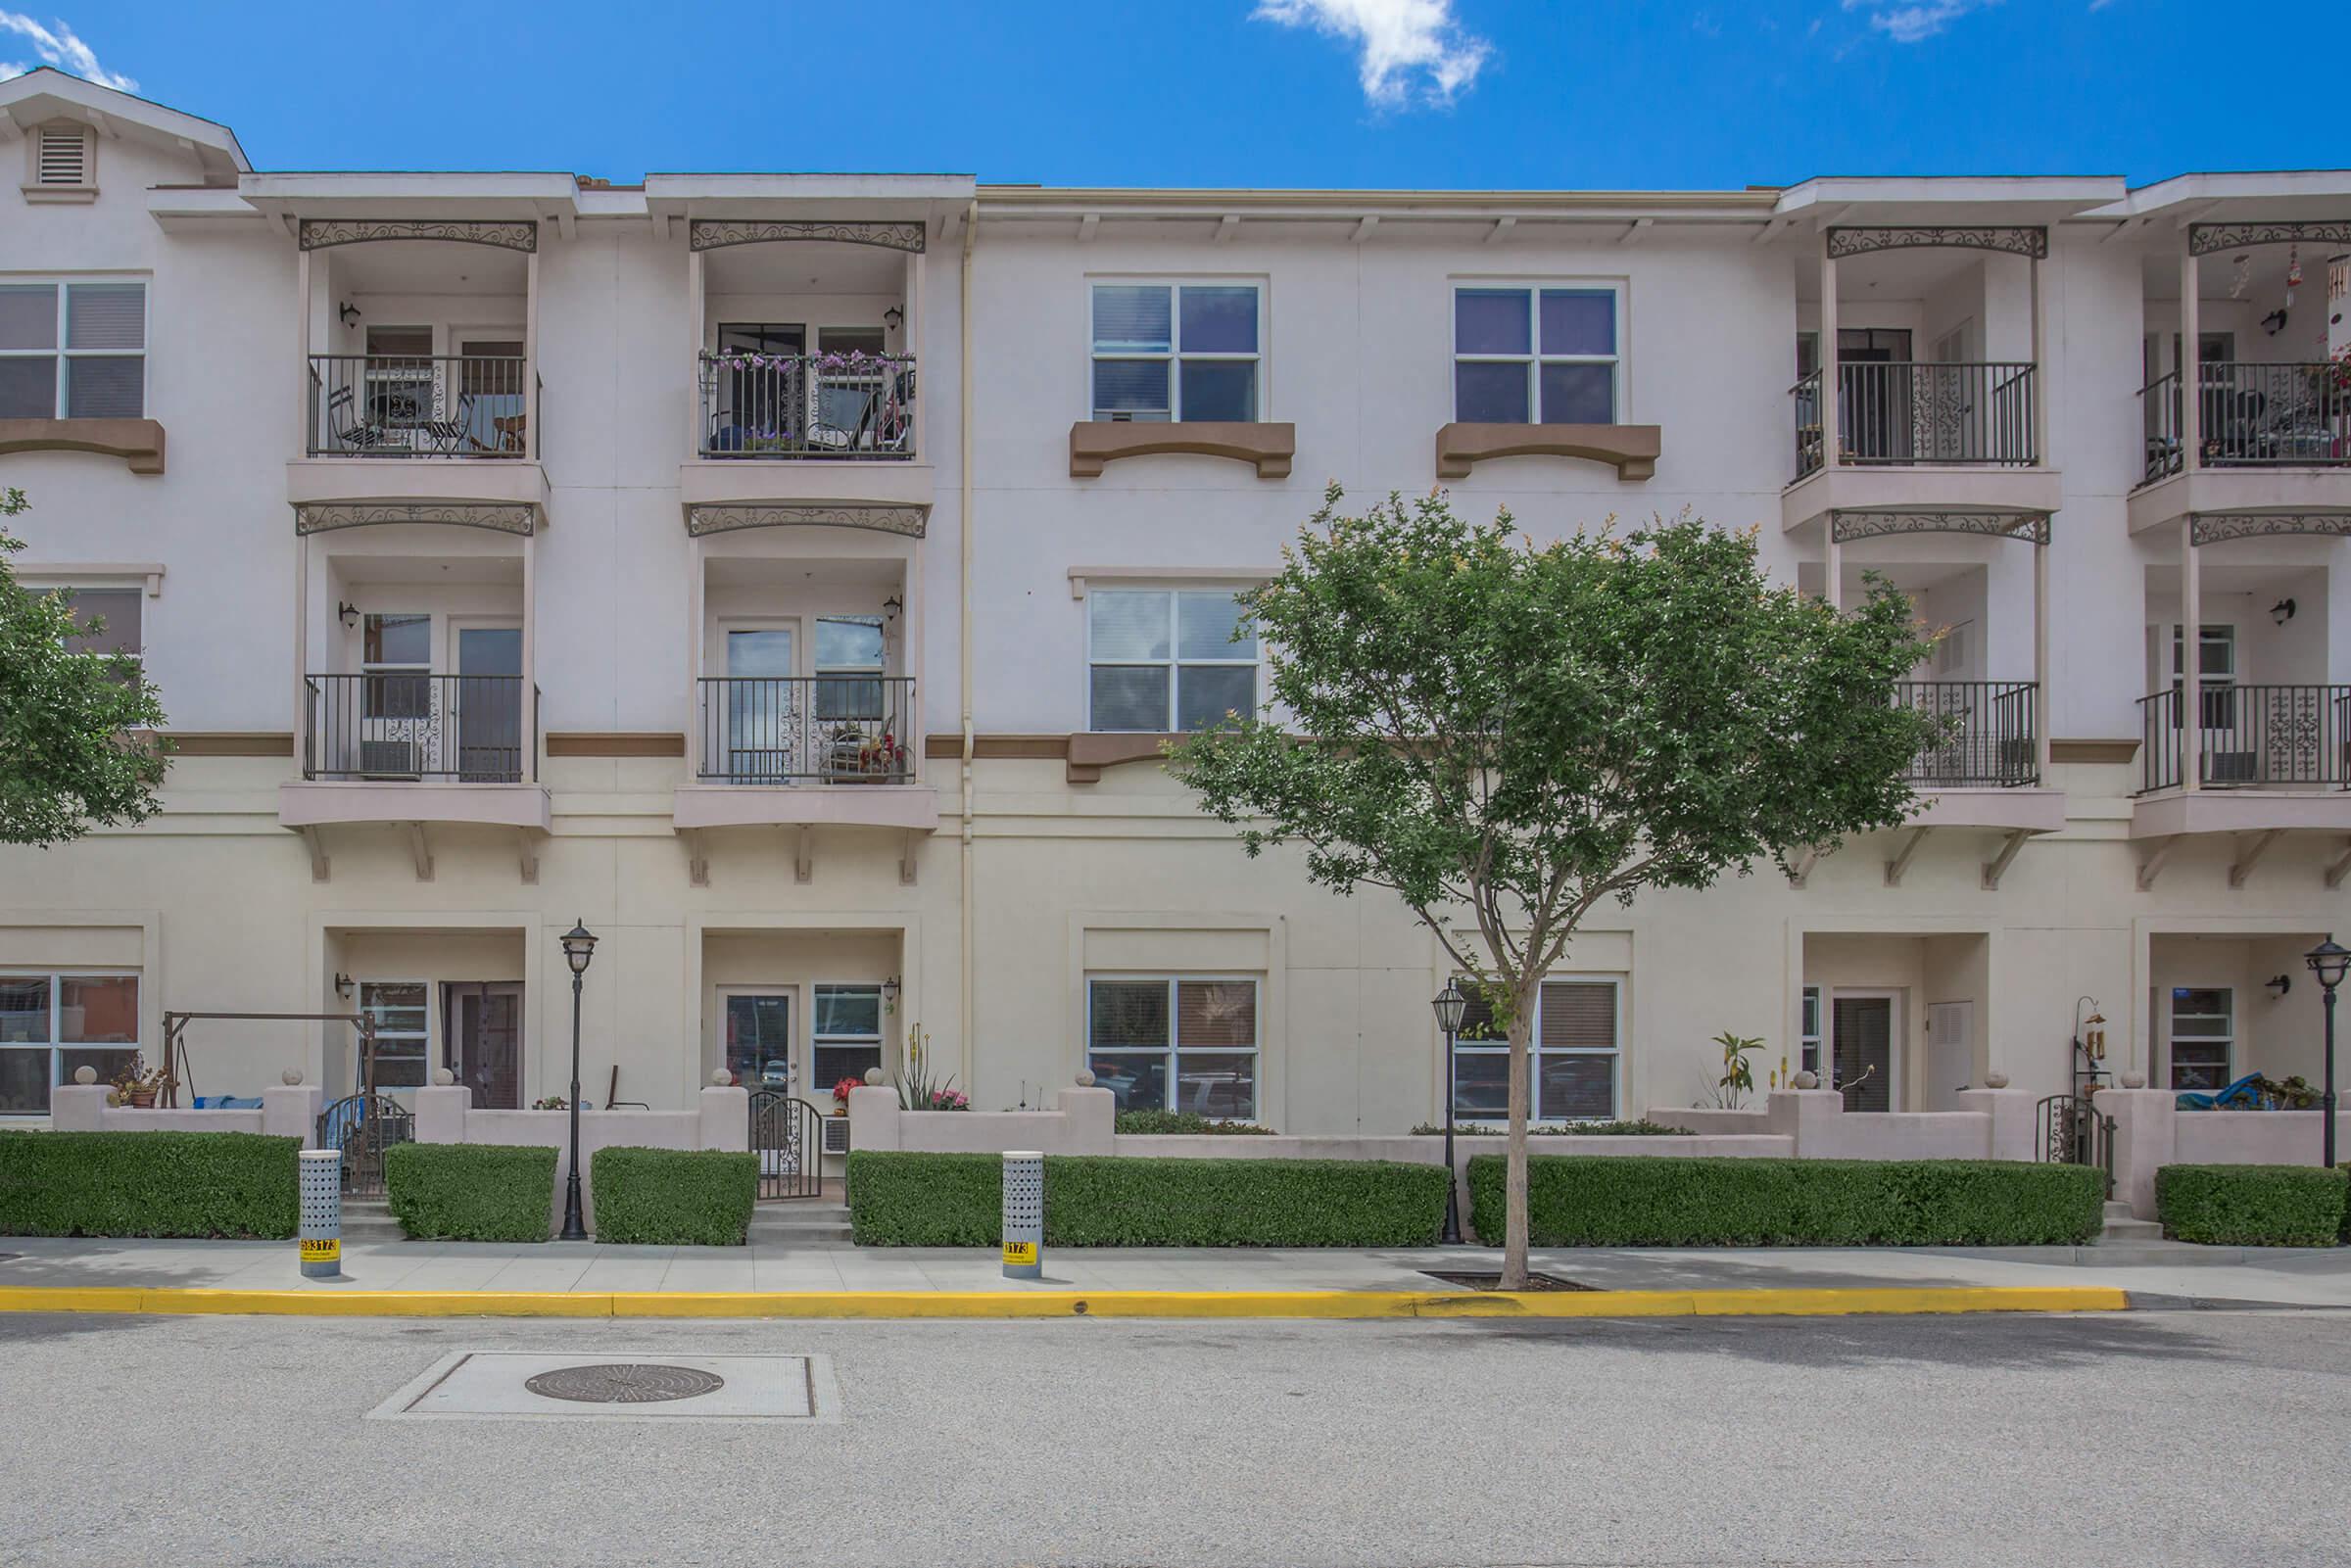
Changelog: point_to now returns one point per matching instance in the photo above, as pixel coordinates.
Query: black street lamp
(579, 946)
(1450, 1006)
(2328, 963)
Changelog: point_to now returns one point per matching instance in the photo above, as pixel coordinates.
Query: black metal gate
(788, 1139)
(362, 1126)
(2075, 1132)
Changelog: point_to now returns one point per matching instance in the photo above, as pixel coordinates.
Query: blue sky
(1442, 93)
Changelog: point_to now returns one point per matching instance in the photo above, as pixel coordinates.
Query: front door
(759, 1039)
(482, 1040)
(766, 723)
(490, 703)
(1874, 394)
(1862, 1043)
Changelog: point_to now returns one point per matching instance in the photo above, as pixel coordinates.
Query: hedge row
(2252, 1206)
(1599, 1201)
(148, 1184)
(673, 1197)
(903, 1198)
(472, 1191)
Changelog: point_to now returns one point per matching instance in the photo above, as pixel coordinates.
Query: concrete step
(2131, 1230)
(2117, 1209)
(371, 1220)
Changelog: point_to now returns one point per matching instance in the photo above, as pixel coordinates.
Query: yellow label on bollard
(326, 1251)
(1020, 1251)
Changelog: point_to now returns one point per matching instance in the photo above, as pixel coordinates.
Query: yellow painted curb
(329, 1300)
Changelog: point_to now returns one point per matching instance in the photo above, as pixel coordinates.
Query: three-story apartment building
(796, 577)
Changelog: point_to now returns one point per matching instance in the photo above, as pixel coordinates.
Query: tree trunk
(1514, 1225)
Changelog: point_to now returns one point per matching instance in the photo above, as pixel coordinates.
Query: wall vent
(62, 156)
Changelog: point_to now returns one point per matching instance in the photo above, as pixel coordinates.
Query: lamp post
(1450, 1006)
(579, 946)
(2328, 962)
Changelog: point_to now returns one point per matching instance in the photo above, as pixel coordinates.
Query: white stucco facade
(547, 620)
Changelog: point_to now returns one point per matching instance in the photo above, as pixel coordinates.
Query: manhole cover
(625, 1382)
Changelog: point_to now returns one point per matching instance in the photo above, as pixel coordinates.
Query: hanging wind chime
(2241, 276)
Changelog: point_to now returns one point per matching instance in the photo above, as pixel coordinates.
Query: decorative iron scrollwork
(319, 517)
(911, 521)
(319, 233)
(2203, 239)
(713, 233)
(2214, 528)
(1844, 527)
(2019, 240)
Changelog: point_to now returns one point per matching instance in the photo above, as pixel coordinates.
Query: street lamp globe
(579, 946)
(1451, 1007)
(2330, 961)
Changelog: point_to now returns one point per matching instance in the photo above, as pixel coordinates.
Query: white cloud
(1402, 44)
(58, 45)
(1913, 21)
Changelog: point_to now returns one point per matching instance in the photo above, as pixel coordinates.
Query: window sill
(59, 195)
(139, 443)
(1269, 446)
(1630, 449)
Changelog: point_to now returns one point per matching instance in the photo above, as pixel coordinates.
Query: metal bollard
(1024, 1215)
(323, 1213)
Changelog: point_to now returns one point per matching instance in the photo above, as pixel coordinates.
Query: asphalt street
(2153, 1438)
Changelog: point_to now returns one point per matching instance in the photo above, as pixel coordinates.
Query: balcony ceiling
(1887, 274)
(804, 266)
(2265, 275)
(496, 571)
(427, 266)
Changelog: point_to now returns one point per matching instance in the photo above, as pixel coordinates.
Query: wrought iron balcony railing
(2251, 415)
(391, 726)
(2250, 736)
(1986, 732)
(1896, 414)
(848, 405)
(421, 406)
(821, 728)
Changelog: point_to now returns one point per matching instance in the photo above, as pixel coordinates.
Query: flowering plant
(841, 1090)
(850, 361)
(950, 1100)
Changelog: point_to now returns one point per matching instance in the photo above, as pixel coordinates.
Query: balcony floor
(320, 802)
(913, 807)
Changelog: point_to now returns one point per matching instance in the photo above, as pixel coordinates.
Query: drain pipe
(963, 656)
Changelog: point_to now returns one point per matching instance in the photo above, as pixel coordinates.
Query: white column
(1835, 567)
(1830, 445)
(530, 652)
(694, 349)
(910, 341)
(2191, 369)
(302, 648)
(530, 390)
(301, 353)
(2044, 699)
(2041, 392)
(2191, 651)
(695, 635)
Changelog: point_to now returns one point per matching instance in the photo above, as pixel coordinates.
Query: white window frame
(369, 689)
(1811, 1050)
(2226, 1042)
(817, 1041)
(57, 1046)
(60, 282)
(424, 1052)
(1535, 1053)
(795, 1002)
(1174, 355)
(2219, 686)
(35, 579)
(1172, 1053)
(1534, 360)
(1174, 664)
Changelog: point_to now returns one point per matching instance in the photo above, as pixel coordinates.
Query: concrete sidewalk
(2162, 1275)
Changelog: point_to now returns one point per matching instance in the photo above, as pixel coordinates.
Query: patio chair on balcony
(351, 433)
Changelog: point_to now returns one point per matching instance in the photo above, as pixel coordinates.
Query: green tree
(1507, 734)
(76, 747)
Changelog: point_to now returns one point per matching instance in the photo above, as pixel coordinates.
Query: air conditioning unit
(836, 1135)
(389, 759)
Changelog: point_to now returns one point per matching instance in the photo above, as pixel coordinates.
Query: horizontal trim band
(615, 744)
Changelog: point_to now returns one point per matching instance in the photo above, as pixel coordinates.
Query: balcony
(2269, 737)
(1905, 414)
(1985, 738)
(421, 406)
(804, 750)
(2273, 439)
(414, 748)
(851, 407)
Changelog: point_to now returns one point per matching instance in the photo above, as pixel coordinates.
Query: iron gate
(362, 1128)
(788, 1137)
(2075, 1132)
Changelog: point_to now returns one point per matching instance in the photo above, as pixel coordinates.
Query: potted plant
(137, 1085)
(840, 1094)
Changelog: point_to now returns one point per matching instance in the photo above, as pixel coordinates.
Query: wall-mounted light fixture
(348, 613)
(342, 984)
(348, 311)
(889, 992)
(2280, 985)
(2282, 611)
(893, 318)
(892, 606)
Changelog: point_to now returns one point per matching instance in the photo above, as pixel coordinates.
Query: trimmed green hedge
(148, 1184)
(1181, 1121)
(2252, 1206)
(1601, 1201)
(673, 1197)
(472, 1191)
(901, 1199)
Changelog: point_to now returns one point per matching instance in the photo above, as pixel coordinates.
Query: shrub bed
(673, 1197)
(1596, 1200)
(472, 1191)
(2252, 1206)
(148, 1184)
(1150, 1122)
(903, 1198)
